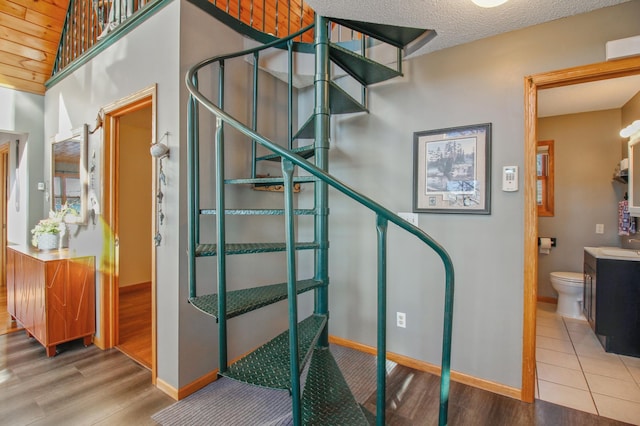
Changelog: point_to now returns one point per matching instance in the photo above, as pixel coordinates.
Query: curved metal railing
(383, 214)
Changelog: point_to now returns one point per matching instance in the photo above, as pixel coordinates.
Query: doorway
(594, 72)
(6, 324)
(128, 284)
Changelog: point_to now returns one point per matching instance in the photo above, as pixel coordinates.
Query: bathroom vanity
(611, 301)
(51, 293)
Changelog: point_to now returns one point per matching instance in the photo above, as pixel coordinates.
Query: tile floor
(573, 370)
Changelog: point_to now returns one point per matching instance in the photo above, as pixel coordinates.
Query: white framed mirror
(69, 174)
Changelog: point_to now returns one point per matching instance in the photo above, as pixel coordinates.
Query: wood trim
(586, 73)
(546, 299)
(135, 287)
(189, 389)
(108, 311)
(530, 241)
(4, 179)
(548, 187)
(406, 361)
(569, 76)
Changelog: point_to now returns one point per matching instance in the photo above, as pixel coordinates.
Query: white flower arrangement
(53, 225)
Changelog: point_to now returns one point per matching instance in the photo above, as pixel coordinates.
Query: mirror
(69, 174)
(634, 177)
(545, 178)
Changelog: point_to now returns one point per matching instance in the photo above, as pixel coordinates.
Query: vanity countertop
(614, 253)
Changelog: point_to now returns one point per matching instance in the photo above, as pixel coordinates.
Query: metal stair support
(296, 337)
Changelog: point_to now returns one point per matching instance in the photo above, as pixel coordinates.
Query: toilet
(569, 286)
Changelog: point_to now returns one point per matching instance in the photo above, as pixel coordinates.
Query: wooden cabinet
(612, 303)
(52, 294)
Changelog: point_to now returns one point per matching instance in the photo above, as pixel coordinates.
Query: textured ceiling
(457, 21)
(30, 29)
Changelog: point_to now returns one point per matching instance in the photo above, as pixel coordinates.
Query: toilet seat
(575, 279)
(569, 286)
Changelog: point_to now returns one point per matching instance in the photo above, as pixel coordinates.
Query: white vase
(48, 241)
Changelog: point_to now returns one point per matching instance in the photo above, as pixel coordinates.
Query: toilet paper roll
(545, 245)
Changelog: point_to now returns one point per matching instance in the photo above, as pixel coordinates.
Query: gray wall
(475, 83)
(469, 84)
(202, 37)
(586, 153)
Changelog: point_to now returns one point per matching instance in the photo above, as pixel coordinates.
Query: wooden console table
(52, 294)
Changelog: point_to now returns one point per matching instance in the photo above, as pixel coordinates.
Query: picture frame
(452, 170)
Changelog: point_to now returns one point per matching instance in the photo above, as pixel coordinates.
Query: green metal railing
(90, 21)
(318, 170)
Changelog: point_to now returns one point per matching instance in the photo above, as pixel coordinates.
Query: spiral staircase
(321, 395)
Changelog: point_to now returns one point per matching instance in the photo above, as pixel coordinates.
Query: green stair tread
(303, 151)
(271, 180)
(249, 248)
(392, 34)
(340, 102)
(258, 212)
(246, 300)
(268, 366)
(327, 399)
(363, 69)
(307, 130)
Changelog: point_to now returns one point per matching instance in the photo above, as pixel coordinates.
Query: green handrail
(383, 213)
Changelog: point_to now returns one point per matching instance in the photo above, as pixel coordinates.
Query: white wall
(21, 118)
(474, 83)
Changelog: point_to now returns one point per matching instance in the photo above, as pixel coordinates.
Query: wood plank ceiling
(29, 36)
(30, 32)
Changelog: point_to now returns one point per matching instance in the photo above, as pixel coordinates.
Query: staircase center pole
(322, 132)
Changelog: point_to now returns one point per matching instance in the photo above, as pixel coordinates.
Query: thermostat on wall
(510, 178)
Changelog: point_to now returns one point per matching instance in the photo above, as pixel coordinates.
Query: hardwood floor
(134, 335)
(6, 324)
(79, 386)
(87, 386)
(413, 396)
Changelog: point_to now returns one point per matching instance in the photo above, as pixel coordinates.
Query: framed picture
(452, 170)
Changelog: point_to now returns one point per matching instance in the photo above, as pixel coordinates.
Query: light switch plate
(412, 218)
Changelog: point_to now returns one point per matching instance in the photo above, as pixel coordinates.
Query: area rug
(231, 403)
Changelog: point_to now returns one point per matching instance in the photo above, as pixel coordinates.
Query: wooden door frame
(109, 282)
(4, 180)
(533, 83)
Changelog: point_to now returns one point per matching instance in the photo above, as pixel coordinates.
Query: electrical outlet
(599, 228)
(401, 319)
(412, 218)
